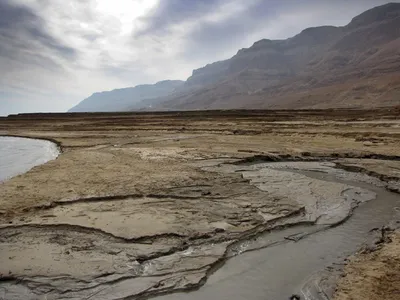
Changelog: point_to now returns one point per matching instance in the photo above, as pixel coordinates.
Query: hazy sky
(55, 53)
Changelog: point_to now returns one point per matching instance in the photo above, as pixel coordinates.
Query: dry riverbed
(144, 204)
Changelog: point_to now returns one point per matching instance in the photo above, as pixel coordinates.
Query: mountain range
(127, 98)
(353, 66)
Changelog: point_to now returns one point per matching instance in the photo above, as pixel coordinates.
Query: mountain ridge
(270, 72)
(126, 98)
(320, 67)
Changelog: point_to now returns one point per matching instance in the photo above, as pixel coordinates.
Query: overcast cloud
(55, 53)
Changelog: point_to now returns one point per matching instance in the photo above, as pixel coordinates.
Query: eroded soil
(373, 275)
(143, 204)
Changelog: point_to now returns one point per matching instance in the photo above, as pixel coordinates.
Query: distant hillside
(357, 65)
(127, 98)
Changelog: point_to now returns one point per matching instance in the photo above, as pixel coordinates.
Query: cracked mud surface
(145, 210)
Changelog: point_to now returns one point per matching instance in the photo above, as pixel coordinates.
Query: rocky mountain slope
(357, 65)
(126, 99)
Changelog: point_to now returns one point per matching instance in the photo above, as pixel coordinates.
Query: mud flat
(142, 205)
(294, 259)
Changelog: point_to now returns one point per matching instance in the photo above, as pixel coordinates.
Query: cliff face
(357, 65)
(208, 74)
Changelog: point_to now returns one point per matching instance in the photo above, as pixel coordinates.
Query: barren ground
(374, 275)
(153, 200)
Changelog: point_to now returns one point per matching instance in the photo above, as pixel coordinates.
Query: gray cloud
(175, 12)
(26, 51)
(21, 30)
(258, 19)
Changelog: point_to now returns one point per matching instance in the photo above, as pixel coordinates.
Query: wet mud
(145, 245)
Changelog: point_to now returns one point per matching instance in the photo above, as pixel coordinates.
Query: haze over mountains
(357, 65)
(128, 98)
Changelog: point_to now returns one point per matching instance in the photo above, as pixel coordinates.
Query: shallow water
(284, 268)
(19, 155)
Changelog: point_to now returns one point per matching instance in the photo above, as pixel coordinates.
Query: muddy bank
(302, 260)
(373, 274)
(106, 247)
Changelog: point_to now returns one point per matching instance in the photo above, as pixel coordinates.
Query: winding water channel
(273, 267)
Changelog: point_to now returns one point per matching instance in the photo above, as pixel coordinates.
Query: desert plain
(139, 205)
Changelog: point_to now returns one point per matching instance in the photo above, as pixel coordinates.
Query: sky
(55, 53)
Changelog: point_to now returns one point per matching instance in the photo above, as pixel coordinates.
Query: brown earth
(374, 275)
(155, 199)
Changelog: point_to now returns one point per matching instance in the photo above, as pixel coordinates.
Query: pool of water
(19, 155)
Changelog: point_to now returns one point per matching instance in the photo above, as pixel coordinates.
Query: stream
(272, 267)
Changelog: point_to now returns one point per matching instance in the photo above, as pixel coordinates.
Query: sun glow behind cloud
(126, 11)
